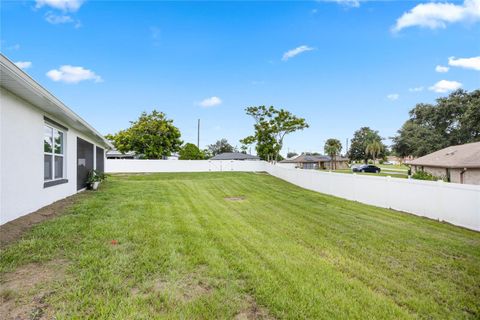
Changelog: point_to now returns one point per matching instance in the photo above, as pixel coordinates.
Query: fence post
(354, 186)
(388, 191)
(440, 210)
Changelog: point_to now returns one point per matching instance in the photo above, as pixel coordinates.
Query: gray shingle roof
(234, 156)
(116, 153)
(461, 156)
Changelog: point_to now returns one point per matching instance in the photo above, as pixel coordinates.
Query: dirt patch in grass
(252, 310)
(14, 230)
(240, 198)
(23, 293)
(184, 289)
(192, 288)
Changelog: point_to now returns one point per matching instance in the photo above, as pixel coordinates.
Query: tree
(416, 140)
(373, 149)
(271, 126)
(265, 143)
(191, 152)
(291, 154)
(452, 120)
(220, 146)
(244, 148)
(332, 148)
(361, 138)
(153, 136)
(207, 154)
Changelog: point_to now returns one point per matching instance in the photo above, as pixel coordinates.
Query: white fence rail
(455, 203)
(458, 204)
(132, 166)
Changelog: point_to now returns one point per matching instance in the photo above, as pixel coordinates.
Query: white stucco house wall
(46, 150)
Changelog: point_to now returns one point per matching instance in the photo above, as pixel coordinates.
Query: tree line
(451, 120)
(153, 136)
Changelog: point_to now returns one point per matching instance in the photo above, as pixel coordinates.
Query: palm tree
(332, 148)
(373, 149)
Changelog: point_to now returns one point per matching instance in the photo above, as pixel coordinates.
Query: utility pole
(346, 150)
(198, 134)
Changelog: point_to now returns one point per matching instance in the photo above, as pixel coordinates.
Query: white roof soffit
(13, 79)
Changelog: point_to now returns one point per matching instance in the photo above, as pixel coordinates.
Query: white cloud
(210, 102)
(58, 19)
(467, 63)
(416, 89)
(441, 69)
(71, 74)
(292, 53)
(435, 15)
(64, 5)
(349, 3)
(443, 86)
(393, 96)
(23, 64)
(14, 47)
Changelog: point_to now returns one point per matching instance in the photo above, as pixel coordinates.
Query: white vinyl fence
(455, 203)
(458, 204)
(138, 166)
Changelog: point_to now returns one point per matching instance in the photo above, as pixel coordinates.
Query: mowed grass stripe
(298, 259)
(392, 256)
(293, 252)
(279, 248)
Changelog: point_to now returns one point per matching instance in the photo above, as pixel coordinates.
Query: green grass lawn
(184, 251)
(393, 166)
(393, 174)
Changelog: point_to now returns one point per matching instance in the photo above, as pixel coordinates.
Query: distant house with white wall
(115, 154)
(458, 164)
(46, 150)
(307, 161)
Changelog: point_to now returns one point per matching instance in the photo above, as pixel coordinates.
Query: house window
(54, 154)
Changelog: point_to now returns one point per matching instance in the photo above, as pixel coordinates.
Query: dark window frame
(60, 128)
(54, 182)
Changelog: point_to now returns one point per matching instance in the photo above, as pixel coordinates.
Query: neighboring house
(459, 164)
(46, 150)
(174, 156)
(394, 160)
(305, 161)
(115, 154)
(235, 156)
(398, 160)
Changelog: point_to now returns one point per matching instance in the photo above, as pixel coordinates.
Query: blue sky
(340, 64)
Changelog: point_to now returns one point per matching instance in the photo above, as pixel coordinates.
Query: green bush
(423, 175)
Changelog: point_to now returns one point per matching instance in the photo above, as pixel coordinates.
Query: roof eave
(30, 84)
(459, 166)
